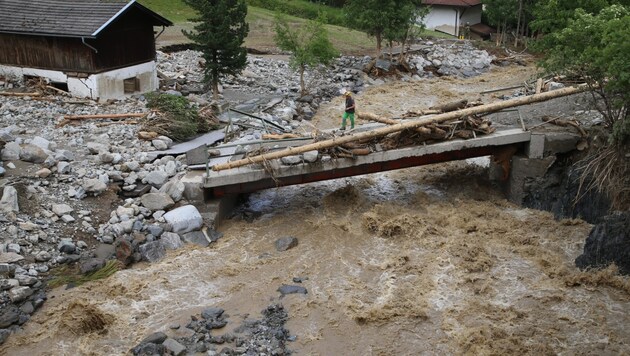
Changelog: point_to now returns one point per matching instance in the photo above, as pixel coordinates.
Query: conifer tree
(219, 34)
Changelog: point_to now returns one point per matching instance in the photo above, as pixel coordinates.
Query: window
(131, 85)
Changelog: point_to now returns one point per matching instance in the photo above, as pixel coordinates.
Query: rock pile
(253, 337)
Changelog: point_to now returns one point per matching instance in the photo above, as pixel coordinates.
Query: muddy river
(429, 260)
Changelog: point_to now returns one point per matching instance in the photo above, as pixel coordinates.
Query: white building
(448, 15)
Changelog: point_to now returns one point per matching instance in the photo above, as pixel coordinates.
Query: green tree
(383, 19)
(309, 45)
(219, 34)
(596, 47)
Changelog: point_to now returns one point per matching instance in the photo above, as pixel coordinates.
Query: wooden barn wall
(56, 53)
(127, 41)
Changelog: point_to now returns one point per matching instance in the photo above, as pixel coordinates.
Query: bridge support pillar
(522, 169)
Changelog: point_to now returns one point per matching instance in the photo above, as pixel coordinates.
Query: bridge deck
(254, 177)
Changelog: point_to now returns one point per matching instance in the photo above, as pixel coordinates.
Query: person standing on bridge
(349, 113)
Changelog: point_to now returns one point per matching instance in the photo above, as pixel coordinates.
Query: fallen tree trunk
(103, 116)
(412, 124)
(279, 136)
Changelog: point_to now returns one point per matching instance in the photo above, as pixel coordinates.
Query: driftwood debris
(11, 93)
(452, 106)
(148, 135)
(561, 122)
(103, 116)
(279, 136)
(412, 124)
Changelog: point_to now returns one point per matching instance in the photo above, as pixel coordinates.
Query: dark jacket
(349, 105)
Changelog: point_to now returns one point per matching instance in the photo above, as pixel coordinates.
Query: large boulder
(33, 154)
(11, 152)
(184, 219)
(94, 186)
(157, 201)
(152, 251)
(156, 178)
(608, 242)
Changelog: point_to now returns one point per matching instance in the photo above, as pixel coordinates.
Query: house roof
(461, 3)
(66, 18)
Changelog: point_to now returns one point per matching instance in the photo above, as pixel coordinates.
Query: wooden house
(100, 49)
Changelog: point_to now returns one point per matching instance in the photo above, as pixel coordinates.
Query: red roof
(463, 3)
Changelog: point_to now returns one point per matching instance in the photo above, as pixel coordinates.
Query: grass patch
(174, 10)
(261, 31)
(68, 275)
(303, 9)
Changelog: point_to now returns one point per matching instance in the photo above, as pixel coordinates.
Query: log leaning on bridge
(403, 126)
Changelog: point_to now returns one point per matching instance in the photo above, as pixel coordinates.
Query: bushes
(177, 120)
(303, 9)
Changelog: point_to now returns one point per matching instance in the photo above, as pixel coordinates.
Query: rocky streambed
(80, 196)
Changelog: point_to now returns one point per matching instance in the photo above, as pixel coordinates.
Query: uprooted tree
(219, 34)
(309, 45)
(596, 47)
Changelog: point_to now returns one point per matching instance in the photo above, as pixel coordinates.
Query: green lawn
(260, 28)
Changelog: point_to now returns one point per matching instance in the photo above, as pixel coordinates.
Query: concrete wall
(107, 85)
(448, 18)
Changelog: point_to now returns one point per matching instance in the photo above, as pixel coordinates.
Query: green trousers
(345, 116)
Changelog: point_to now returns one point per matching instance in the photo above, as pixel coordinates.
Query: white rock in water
(184, 219)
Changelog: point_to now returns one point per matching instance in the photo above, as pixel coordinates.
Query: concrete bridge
(524, 153)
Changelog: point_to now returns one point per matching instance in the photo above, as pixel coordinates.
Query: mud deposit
(423, 260)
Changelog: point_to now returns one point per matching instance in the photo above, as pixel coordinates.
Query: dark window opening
(131, 85)
(60, 86)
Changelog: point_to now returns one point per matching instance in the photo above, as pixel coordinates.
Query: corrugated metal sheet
(462, 3)
(66, 18)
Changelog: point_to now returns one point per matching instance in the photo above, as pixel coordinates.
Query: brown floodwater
(428, 260)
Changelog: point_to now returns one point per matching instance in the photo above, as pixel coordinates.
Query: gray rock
(19, 294)
(94, 186)
(7, 270)
(156, 178)
(155, 230)
(155, 338)
(11, 152)
(9, 316)
(15, 248)
(310, 156)
(4, 335)
(10, 257)
(157, 201)
(287, 289)
(26, 280)
(9, 201)
(96, 148)
(291, 160)
(66, 246)
(106, 157)
(171, 241)
(67, 219)
(33, 154)
(92, 265)
(43, 173)
(152, 251)
(286, 243)
(212, 313)
(5, 284)
(27, 308)
(43, 256)
(64, 155)
(41, 142)
(174, 189)
(174, 347)
(61, 209)
(196, 237)
(159, 145)
(2, 171)
(64, 168)
(105, 251)
(184, 219)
